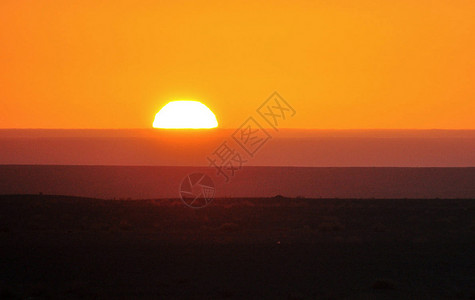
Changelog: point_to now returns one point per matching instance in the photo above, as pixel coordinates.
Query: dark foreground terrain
(64, 247)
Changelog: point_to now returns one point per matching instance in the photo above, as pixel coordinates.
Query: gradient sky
(340, 64)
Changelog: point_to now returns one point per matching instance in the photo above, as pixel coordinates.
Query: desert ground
(59, 247)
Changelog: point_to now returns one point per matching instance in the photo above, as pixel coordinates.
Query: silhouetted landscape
(56, 247)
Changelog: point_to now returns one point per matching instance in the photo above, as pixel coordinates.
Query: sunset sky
(342, 65)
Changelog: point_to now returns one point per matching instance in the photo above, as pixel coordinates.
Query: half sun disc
(185, 114)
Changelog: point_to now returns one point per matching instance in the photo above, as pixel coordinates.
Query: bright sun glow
(185, 114)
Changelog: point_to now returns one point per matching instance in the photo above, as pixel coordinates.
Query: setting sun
(185, 114)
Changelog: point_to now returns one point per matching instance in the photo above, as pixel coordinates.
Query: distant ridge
(107, 182)
(286, 147)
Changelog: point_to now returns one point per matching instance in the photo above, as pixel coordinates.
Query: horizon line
(234, 128)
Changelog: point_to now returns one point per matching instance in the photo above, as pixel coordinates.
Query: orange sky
(114, 64)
